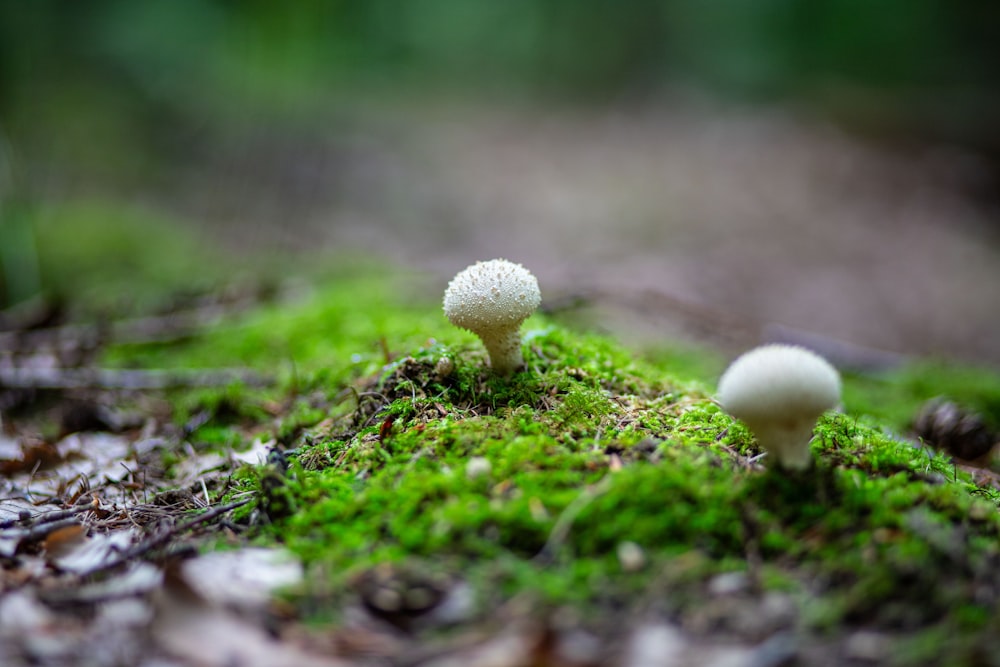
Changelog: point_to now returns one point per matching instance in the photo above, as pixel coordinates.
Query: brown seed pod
(400, 594)
(946, 426)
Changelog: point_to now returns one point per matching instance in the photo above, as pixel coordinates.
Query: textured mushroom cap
(491, 296)
(779, 384)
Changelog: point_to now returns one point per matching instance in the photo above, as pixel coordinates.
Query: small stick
(152, 329)
(48, 517)
(146, 546)
(106, 378)
(560, 530)
(204, 489)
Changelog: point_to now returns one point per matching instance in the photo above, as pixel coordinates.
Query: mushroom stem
(504, 348)
(785, 442)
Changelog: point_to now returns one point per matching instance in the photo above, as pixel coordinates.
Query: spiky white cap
(491, 299)
(779, 391)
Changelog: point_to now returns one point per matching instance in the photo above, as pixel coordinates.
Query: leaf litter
(96, 532)
(87, 525)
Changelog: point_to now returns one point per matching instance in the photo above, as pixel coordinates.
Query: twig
(839, 352)
(106, 378)
(366, 394)
(32, 312)
(48, 517)
(646, 302)
(154, 329)
(204, 489)
(148, 545)
(560, 531)
(727, 328)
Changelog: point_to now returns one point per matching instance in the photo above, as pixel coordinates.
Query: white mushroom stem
(787, 442)
(504, 348)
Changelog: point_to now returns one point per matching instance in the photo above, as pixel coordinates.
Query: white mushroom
(779, 391)
(491, 299)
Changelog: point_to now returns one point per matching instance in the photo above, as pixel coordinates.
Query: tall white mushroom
(491, 299)
(779, 391)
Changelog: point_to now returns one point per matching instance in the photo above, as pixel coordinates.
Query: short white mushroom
(491, 299)
(779, 391)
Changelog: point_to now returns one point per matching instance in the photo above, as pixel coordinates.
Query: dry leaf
(78, 553)
(35, 455)
(246, 578)
(205, 635)
(64, 541)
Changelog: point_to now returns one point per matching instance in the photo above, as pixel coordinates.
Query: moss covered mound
(403, 470)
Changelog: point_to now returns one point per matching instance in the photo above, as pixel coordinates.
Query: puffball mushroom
(491, 299)
(779, 391)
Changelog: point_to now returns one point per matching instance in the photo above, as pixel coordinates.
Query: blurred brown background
(722, 172)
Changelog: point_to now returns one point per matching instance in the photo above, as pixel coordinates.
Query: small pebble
(631, 556)
(728, 583)
(867, 646)
(478, 467)
(779, 650)
(458, 605)
(444, 367)
(578, 647)
(778, 609)
(655, 646)
(420, 598)
(387, 600)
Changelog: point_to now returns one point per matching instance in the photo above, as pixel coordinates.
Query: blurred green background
(119, 78)
(122, 100)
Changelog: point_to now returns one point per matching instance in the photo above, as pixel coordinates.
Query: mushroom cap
(779, 384)
(491, 296)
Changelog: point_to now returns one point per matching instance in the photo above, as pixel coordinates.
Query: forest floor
(165, 477)
(208, 459)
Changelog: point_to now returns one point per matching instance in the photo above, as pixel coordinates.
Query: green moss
(588, 448)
